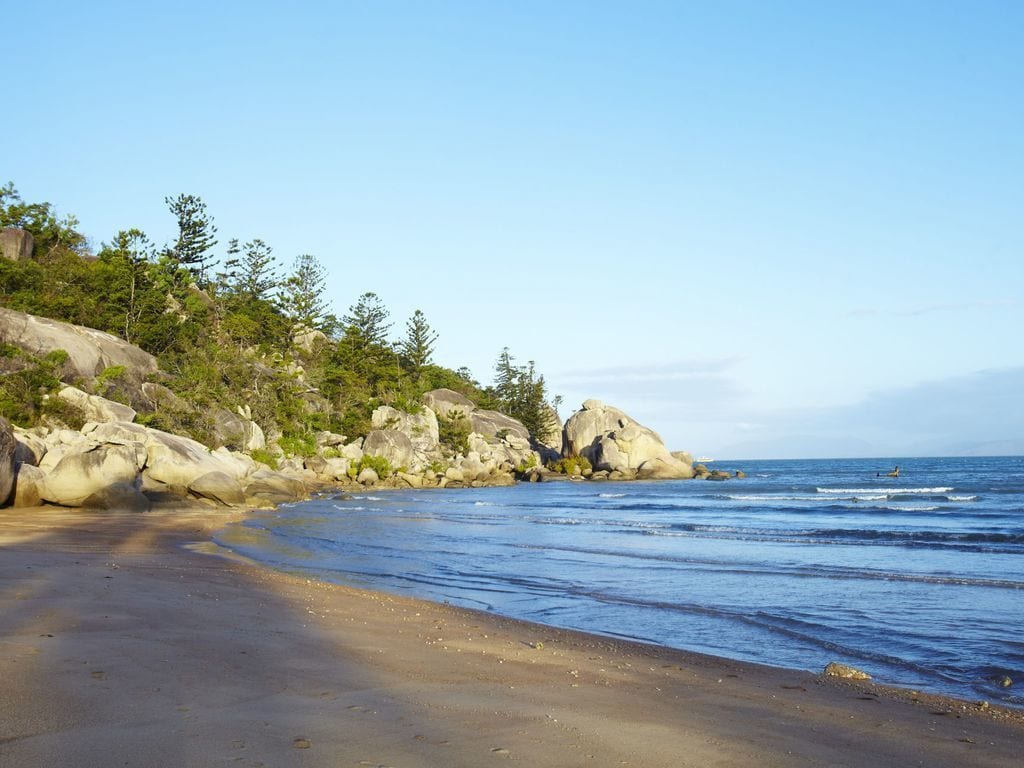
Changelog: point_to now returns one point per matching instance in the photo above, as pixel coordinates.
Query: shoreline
(150, 646)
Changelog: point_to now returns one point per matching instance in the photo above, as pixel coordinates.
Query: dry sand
(121, 647)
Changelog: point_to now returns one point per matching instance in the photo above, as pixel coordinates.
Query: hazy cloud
(981, 412)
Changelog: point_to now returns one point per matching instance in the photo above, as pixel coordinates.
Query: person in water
(894, 473)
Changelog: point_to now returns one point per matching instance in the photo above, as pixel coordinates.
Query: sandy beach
(125, 642)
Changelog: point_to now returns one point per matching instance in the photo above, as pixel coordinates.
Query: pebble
(301, 744)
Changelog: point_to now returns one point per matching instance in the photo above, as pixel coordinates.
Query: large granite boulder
(29, 447)
(90, 351)
(420, 428)
(587, 424)
(26, 486)
(237, 431)
(96, 408)
(394, 446)
(615, 443)
(122, 496)
(176, 460)
(7, 448)
(219, 487)
(492, 423)
(271, 487)
(77, 476)
(444, 401)
(16, 244)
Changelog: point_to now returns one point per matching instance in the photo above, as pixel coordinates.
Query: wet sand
(121, 644)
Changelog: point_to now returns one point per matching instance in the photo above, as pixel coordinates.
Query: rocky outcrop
(237, 431)
(392, 445)
(123, 465)
(615, 443)
(16, 244)
(96, 408)
(444, 402)
(492, 424)
(90, 351)
(7, 466)
(26, 487)
(77, 476)
(421, 428)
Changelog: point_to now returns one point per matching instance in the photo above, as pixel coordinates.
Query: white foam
(610, 495)
(962, 498)
(483, 504)
(892, 492)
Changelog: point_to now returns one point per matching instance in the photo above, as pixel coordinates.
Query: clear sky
(763, 229)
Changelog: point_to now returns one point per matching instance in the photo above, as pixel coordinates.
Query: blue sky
(764, 229)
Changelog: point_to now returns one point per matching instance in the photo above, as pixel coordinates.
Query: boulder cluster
(445, 441)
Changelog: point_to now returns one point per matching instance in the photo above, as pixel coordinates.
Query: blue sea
(918, 580)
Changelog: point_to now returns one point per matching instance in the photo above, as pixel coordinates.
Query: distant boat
(704, 459)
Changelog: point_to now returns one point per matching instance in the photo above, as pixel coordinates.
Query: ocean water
(918, 580)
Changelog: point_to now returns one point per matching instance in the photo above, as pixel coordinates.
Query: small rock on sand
(835, 669)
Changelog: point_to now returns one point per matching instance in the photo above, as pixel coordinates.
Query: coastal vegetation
(229, 326)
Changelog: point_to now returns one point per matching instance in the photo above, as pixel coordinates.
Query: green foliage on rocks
(570, 465)
(225, 327)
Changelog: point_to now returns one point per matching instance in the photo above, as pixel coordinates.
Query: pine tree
(127, 261)
(302, 298)
(418, 345)
(196, 235)
(367, 321)
(256, 276)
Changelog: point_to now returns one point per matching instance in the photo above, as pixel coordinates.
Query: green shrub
(378, 464)
(263, 456)
(526, 466)
(570, 465)
(331, 453)
(453, 433)
(298, 445)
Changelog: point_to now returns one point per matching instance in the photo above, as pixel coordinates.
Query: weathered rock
(368, 476)
(273, 487)
(420, 428)
(237, 432)
(122, 496)
(26, 486)
(16, 244)
(7, 448)
(660, 468)
(835, 669)
(176, 460)
(329, 439)
(29, 447)
(413, 481)
(96, 408)
(353, 451)
(219, 487)
(684, 456)
(308, 339)
(77, 476)
(392, 445)
(717, 474)
(588, 424)
(492, 423)
(89, 351)
(613, 442)
(444, 402)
